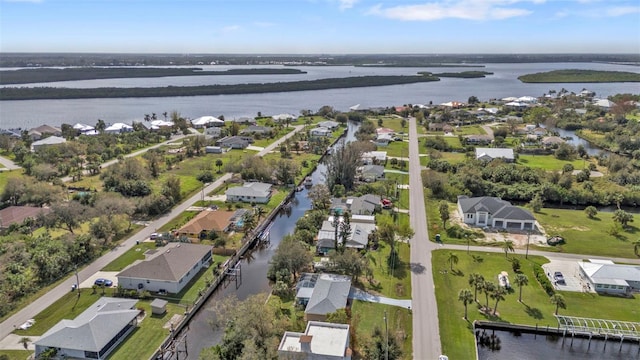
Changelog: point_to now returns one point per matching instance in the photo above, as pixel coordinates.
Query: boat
(308, 181)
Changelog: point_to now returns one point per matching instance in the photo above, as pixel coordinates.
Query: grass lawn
(469, 130)
(16, 354)
(67, 307)
(396, 284)
(264, 142)
(396, 149)
(456, 333)
(454, 142)
(366, 316)
(178, 221)
(6, 175)
(391, 122)
(435, 223)
(588, 236)
(133, 254)
(549, 162)
(453, 157)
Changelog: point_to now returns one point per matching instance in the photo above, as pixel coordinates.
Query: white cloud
(455, 9)
(622, 10)
(230, 28)
(346, 4)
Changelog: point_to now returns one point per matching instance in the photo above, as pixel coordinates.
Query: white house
(371, 157)
(494, 212)
(361, 227)
(607, 277)
(94, 333)
(320, 341)
(320, 132)
(332, 125)
(118, 128)
(169, 269)
(206, 121)
(283, 117)
(488, 154)
(214, 132)
(251, 192)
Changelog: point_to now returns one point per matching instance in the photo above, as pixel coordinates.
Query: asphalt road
(426, 333)
(38, 305)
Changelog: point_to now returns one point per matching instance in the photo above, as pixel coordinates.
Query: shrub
(543, 279)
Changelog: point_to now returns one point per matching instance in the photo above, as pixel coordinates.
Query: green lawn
(454, 142)
(549, 162)
(453, 157)
(469, 130)
(396, 284)
(587, 236)
(178, 221)
(396, 149)
(456, 334)
(391, 122)
(16, 354)
(268, 141)
(366, 316)
(133, 254)
(6, 175)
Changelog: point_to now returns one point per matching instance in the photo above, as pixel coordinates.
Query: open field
(390, 121)
(456, 334)
(394, 284)
(396, 149)
(366, 317)
(550, 163)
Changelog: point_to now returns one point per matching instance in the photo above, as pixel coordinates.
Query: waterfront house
(371, 173)
(207, 121)
(93, 334)
(374, 157)
(609, 278)
(331, 125)
(361, 227)
(282, 118)
(383, 139)
(205, 222)
(320, 132)
(319, 341)
(551, 141)
(489, 154)
(251, 192)
(37, 133)
(322, 294)
(367, 204)
(494, 212)
(118, 128)
(166, 269)
(243, 120)
(48, 141)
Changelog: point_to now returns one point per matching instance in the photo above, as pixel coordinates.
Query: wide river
(504, 82)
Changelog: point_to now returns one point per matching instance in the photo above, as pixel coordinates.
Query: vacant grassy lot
(456, 334)
(396, 283)
(550, 163)
(454, 142)
(264, 142)
(391, 122)
(6, 175)
(588, 236)
(366, 317)
(133, 254)
(178, 221)
(396, 149)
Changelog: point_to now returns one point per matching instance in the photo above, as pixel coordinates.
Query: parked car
(101, 282)
(558, 277)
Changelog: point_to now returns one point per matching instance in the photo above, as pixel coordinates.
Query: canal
(200, 334)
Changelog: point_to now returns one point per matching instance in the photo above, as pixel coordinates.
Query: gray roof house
(323, 294)
(320, 132)
(366, 204)
(168, 269)
(234, 142)
(332, 125)
(488, 154)
(48, 141)
(361, 227)
(610, 278)
(494, 212)
(256, 129)
(320, 340)
(370, 173)
(243, 120)
(94, 333)
(251, 192)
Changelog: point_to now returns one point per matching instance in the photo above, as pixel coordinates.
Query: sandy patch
(175, 320)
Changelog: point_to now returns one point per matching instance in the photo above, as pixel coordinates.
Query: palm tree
(558, 301)
(521, 280)
(259, 210)
(507, 246)
(476, 280)
(488, 288)
(498, 294)
(25, 342)
(465, 296)
(452, 259)
(219, 164)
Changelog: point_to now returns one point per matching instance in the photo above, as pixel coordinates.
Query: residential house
(383, 139)
(167, 269)
(251, 192)
(587, 93)
(604, 104)
(320, 132)
(361, 227)
(440, 127)
(371, 173)
(367, 204)
(489, 154)
(494, 212)
(213, 149)
(281, 118)
(161, 124)
(516, 105)
(540, 131)
(552, 141)
(48, 141)
(382, 131)
(235, 142)
(205, 222)
(82, 128)
(609, 278)
(14, 133)
(207, 121)
(331, 125)
(37, 133)
(322, 294)
(478, 139)
(18, 214)
(374, 157)
(214, 132)
(256, 129)
(244, 120)
(527, 99)
(118, 128)
(452, 104)
(319, 341)
(93, 334)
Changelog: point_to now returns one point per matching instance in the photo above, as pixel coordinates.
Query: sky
(320, 26)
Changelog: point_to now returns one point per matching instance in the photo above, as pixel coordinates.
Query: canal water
(200, 333)
(524, 346)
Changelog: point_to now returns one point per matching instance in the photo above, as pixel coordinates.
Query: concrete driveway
(362, 295)
(111, 275)
(571, 273)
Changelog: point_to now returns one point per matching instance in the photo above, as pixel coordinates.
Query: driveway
(571, 273)
(362, 295)
(8, 164)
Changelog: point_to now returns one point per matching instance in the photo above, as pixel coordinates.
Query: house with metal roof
(494, 212)
(118, 128)
(322, 294)
(374, 157)
(489, 154)
(358, 238)
(235, 142)
(609, 278)
(167, 269)
(94, 333)
(250, 192)
(320, 132)
(320, 340)
(332, 125)
(48, 141)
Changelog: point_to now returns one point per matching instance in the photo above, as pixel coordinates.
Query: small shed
(159, 306)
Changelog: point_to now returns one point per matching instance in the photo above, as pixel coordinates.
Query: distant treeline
(463, 74)
(580, 76)
(12, 93)
(41, 75)
(422, 65)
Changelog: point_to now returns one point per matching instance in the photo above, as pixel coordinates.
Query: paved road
(426, 334)
(8, 164)
(38, 305)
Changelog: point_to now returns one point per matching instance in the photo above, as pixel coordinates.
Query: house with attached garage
(494, 212)
(166, 269)
(235, 142)
(250, 192)
(93, 334)
(489, 154)
(322, 294)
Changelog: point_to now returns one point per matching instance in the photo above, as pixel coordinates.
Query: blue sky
(320, 26)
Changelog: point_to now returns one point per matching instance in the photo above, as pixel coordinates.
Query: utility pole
(526, 255)
(386, 337)
(77, 282)
(467, 237)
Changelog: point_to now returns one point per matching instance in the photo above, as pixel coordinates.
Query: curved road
(426, 333)
(44, 301)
